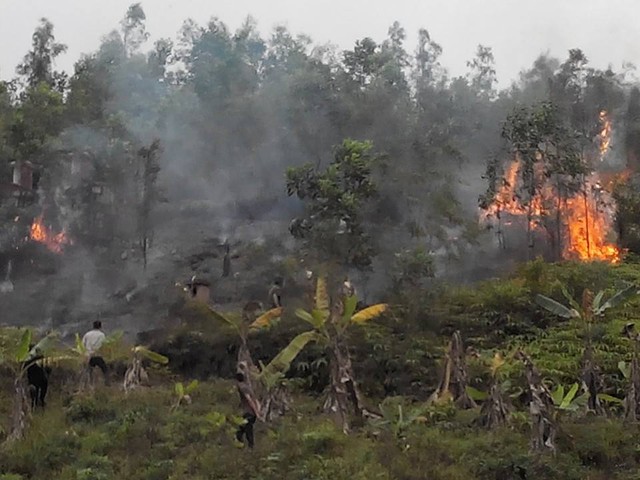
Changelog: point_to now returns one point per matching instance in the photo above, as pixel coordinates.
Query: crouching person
(249, 403)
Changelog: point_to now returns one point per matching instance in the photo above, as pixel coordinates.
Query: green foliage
(336, 202)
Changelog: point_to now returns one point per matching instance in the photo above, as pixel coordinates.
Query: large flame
(604, 137)
(42, 234)
(587, 218)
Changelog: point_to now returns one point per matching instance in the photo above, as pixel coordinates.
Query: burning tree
(552, 185)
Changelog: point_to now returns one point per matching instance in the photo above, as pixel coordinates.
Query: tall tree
(483, 73)
(37, 65)
(134, 30)
(333, 226)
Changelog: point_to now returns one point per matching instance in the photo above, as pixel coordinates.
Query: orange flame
(586, 222)
(604, 137)
(54, 242)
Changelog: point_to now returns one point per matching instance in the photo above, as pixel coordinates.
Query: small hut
(198, 290)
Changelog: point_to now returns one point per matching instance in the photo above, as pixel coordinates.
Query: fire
(604, 137)
(42, 234)
(586, 219)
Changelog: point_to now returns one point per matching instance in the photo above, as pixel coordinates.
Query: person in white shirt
(92, 341)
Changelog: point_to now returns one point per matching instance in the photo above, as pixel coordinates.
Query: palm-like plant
(16, 354)
(183, 394)
(331, 322)
(265, 380)
(590, 308)
(135, 374)
(495, 408)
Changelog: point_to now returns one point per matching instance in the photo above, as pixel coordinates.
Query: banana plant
(267, 381)
(136, 375)
(183, 394)
(590, 308)
(331, 322)
(246, 324)
(569, 401)
(16, 354)
(397, 418)
(496, 406)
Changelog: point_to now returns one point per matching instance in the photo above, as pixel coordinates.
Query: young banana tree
(136, 375)
(183, 394)
(267, 381)
(246, 324)
(495, 407)
(590, 308)
(16, 354)
(331, 322)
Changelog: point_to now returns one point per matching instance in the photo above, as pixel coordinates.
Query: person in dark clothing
(249, 403)
(226, 260)
(275, 294)
(38, 380)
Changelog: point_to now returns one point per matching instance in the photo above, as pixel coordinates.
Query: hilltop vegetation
(397, 362)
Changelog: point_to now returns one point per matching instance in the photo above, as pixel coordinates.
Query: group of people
(38, 374)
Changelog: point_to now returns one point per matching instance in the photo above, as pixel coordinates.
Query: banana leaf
(266, 319)
(22, 352)
(476, 394)
(316, 318)
(618, 298)
(179, 389)
(322, 297)
(151, 355)
(608, 398)
(282, 361)
(369, 313)
(566, 401)
(556, 307)
(193, 385)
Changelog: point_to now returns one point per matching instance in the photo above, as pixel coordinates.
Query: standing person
(92, 341)
(226, 260)
(275, 294)
(249, 404)
(37, 379)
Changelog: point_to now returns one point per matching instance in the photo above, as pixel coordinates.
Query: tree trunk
(276, 403)
(21, 411)
(495, 409)
(632, 400)
(590, 381)
(453, 384)
(543, 426)
(135, 375)
(343, 391)
(559, 225)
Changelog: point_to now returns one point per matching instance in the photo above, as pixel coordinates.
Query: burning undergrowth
(41, 233)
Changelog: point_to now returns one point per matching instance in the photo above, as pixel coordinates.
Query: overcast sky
(518, 30)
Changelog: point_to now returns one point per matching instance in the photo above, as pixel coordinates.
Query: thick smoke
(232, 112)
